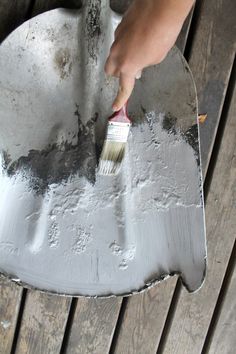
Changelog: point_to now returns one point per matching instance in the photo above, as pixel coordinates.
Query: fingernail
(115, 108)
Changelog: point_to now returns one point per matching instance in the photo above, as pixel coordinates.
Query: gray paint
(63, 228)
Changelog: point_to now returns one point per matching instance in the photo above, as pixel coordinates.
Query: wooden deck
(165, 319)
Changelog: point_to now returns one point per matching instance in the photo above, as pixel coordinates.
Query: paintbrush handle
(121, 116)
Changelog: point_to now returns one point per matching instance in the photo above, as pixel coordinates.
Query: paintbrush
(114, 146)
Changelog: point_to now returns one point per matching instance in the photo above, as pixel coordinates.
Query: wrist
(176, 10)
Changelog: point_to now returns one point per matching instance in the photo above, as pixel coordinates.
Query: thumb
(125, 90)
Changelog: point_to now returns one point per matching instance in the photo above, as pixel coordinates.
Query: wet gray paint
(57, 163)
(63, 228)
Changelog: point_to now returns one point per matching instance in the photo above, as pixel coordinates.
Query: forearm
(147, 32)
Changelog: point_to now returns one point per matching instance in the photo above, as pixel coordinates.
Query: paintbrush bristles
(114, 146)
(112, 155)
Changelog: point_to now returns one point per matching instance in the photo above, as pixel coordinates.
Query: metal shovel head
(64, 228)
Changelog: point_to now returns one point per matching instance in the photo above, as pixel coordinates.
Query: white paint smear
(142, 224)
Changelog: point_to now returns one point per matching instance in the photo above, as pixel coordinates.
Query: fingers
(125, 90)
(111, 68)
(138, 75)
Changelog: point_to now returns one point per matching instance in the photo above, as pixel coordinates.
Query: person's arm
(147, 32)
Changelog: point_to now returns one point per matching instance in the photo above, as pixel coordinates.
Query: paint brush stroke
(162, 223)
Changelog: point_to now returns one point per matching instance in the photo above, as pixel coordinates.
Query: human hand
(147, 32)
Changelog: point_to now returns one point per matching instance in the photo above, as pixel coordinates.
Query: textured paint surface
(63, 228)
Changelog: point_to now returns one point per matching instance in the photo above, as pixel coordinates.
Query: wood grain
(141, 330)
(12, 14)
(10, 298)
(93, 326)
(43, 323)
(211, 59)
(194, 312)
(224, 339)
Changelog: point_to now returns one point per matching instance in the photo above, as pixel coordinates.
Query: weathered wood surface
(194, 312)
(140, 330)
(224, 339)
(12, 14)
(211, 59)
(93, 326)
(10, 298)
(43, 323)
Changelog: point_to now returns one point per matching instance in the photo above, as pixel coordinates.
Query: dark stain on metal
(93, 27)
(169, 123)
(191, 137)
(154, 135)
(57, 163)
(63, 62)
(6, 159)
(138, 118)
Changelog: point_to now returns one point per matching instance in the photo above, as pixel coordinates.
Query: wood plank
(211, 59)
(224, 339)
(140, 331)
(43, 323)
(93, 326)
(12, 14)
(10, 298)
(193, 314)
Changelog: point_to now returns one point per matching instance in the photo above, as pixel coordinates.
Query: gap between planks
(196, 315)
